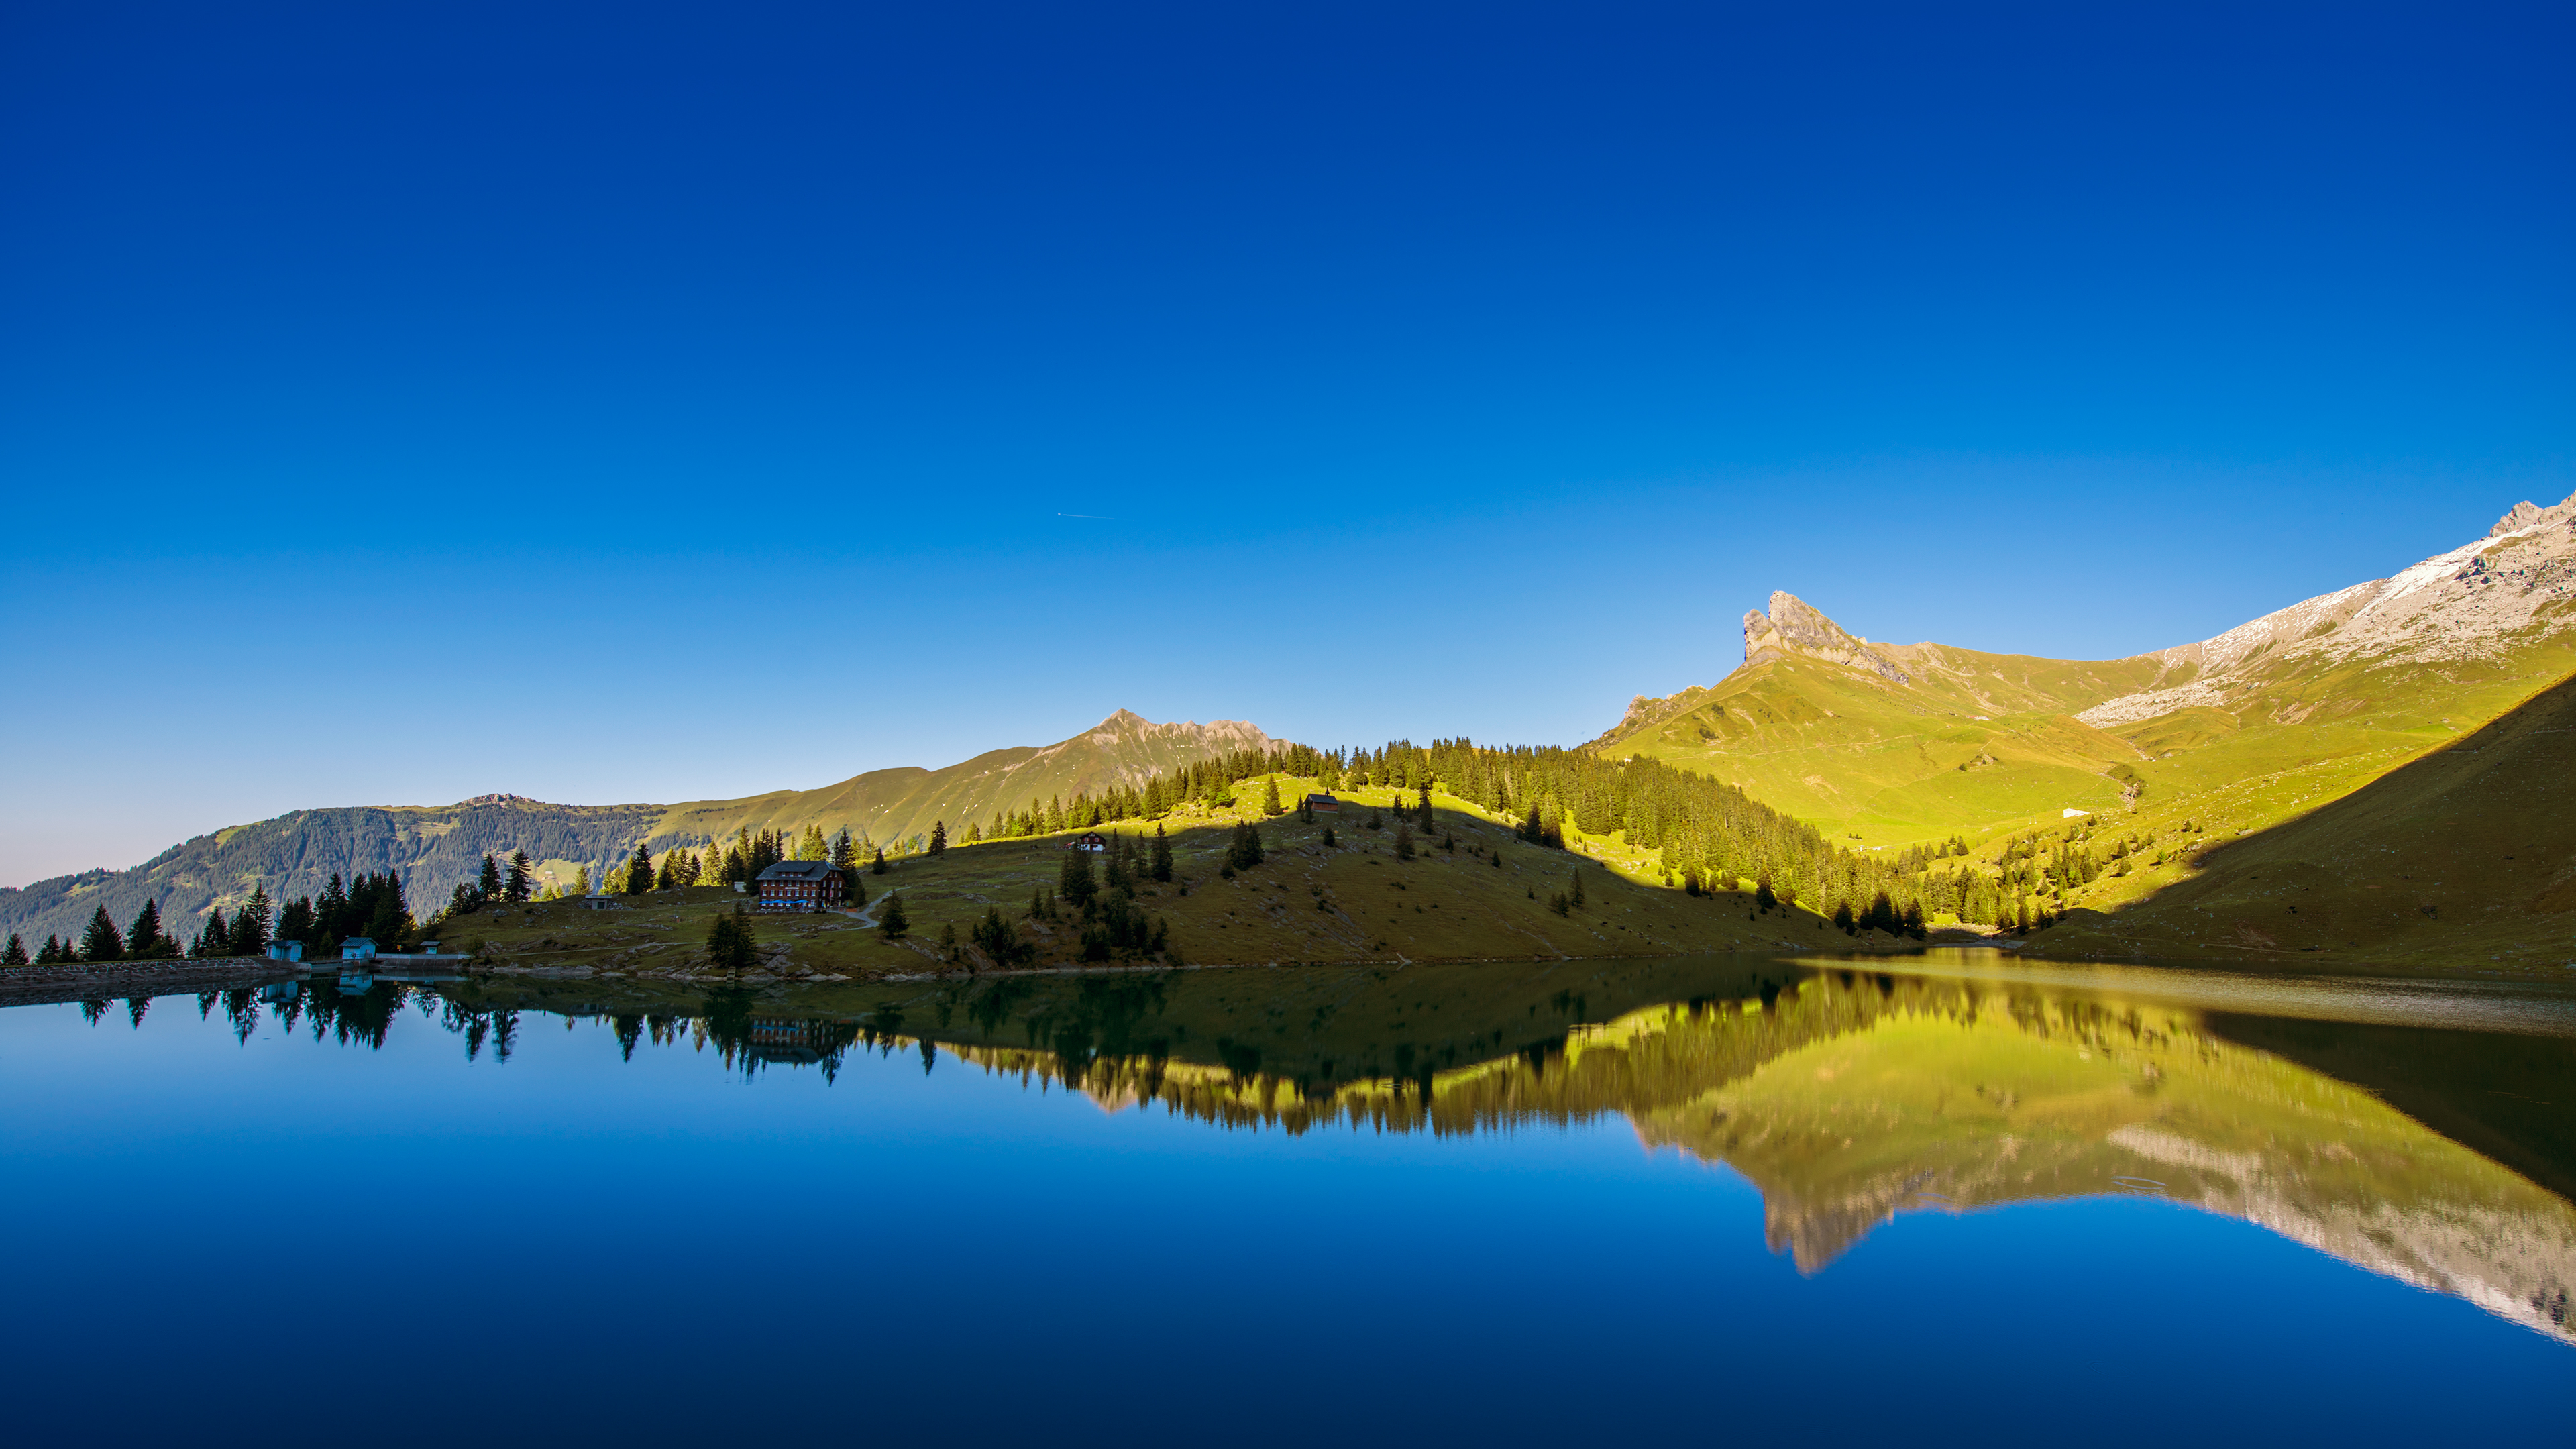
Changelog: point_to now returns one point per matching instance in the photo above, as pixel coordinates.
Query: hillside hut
(357, 948)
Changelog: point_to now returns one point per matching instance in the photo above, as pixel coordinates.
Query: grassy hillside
(2464, 856)
(1488, 898)
(1862, 756)
(1889, 764)
(1887, 746)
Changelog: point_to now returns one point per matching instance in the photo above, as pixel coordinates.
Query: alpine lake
(1948, 1197)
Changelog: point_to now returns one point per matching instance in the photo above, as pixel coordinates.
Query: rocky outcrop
(1793, 627)
(2525, 515)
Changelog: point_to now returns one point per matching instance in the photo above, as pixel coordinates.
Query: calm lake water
(1942, 1199)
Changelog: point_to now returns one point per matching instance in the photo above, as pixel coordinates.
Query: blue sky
(404, 402)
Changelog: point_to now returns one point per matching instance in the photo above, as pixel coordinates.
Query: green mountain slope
(896, 805)
(1898, 743)
(436, 848)
(2465, 853)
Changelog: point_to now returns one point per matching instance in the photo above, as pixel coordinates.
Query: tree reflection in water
(1848, 1097)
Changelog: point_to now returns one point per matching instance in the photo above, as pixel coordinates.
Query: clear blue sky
(404, 402)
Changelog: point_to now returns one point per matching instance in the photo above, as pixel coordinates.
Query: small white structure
(2071, 814)
(286, 950)
(357, 948)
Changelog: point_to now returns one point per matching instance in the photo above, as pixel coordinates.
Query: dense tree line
(1710, 835)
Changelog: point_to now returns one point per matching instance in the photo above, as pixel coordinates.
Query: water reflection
(1849, 1094)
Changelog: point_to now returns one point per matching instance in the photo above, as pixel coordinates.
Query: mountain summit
(1794, 627)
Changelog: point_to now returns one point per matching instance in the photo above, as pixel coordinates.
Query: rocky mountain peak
(2526, 514)
(1794, 626)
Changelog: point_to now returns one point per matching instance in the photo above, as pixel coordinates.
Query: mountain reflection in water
(1847, 1094)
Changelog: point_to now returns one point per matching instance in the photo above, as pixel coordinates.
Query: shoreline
(88, 981)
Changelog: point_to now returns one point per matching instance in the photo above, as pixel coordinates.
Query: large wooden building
(801, 885)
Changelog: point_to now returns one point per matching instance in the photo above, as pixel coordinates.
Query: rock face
(2469, 602)
(1793, 627)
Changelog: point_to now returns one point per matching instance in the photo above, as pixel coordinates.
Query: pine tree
(1073, 878)
(145, 941)
(1424, 810)
(295, 923)
(938, 837)
(880, 866)
(101, 942)
(487, 886)
(845, 857)
(581, 880)
(1404, 842)
(50, 953)
(1270, 798)
(249, 932)
(1161, 868)
(668, 875)
(331, 913)
(16, 953)
(1578, 885)
(217, 936)
(520, 883)
(639, 873)
(891, 921)
(731, 946)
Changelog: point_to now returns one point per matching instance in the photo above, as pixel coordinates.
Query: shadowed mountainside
(2466, 853)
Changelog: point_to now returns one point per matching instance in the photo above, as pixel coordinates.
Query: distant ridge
(436, 848)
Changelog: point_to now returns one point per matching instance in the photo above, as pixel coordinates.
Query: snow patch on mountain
(2463, 603)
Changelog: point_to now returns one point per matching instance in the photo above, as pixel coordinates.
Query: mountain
(2465, 853)
(436, 848)
(892, 805)
(1893, 743)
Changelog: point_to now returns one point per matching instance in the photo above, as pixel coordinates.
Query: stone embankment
(93, 981)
